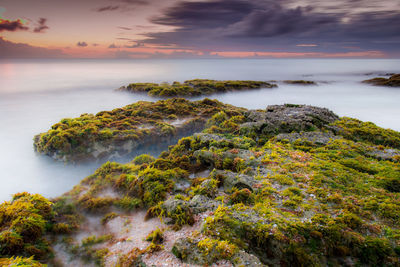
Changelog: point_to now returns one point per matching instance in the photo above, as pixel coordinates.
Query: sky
(199, 29)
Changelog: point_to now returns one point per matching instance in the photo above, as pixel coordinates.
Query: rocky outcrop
(194, 87)
(392, 81)
(300, 82)
(286, 119)
(141, 127)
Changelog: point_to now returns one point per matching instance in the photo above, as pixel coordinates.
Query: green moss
(156, 236)
(143, 159)
(216, 249)
(194, 87)
(23, 224)
(20, 261)
(138, 124)
(357, 130)
(296, 204)
(93, 240)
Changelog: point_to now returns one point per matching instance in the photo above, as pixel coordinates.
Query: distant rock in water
(392, 81)
(300, 82)
(195, 87)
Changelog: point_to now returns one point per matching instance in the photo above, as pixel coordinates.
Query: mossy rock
(195, 87)
(392, 81)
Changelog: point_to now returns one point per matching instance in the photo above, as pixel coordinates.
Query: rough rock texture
(287, 118)
(201, 203)
(188, 250)
(385, 154)
(240, 181)
(317, 137)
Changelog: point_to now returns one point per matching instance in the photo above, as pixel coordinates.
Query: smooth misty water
(36, 94)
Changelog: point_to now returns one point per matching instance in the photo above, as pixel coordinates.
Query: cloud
(12, 25)
(41, 25)
(134, 2)
(107, 8)
(18, 50)
(136, 45)
(125, 39)
(125, 28)
(112, 46)
(306, 45)
(81, 44)
(265, 25)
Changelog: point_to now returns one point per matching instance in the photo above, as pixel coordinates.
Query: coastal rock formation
(195, 87)
(392, 81)
(291, 185)
(123, 131)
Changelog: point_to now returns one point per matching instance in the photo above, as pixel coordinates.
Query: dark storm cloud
(199, 15)
(266, 23)
(12, 25)
(81, 44)
(41, 25)
(107, 8)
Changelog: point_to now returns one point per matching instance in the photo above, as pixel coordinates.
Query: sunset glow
(198, 28)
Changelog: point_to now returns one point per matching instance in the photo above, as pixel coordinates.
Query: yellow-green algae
(288, 203)
(91, 137)
(195, 87)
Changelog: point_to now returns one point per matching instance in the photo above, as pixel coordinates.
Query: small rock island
(300, 82)
(392, 81)
(195, 87)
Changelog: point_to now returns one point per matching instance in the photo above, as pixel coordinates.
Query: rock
(201, 203)
(206, 157)
(178, 211)
(385, 154)
(242, 258)
(286, 119)
(207, 138)
(186, 250)
(317, 138)
(392, 81)
(240, 181)
(300, 82)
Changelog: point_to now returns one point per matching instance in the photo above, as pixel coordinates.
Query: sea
(35, 94)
